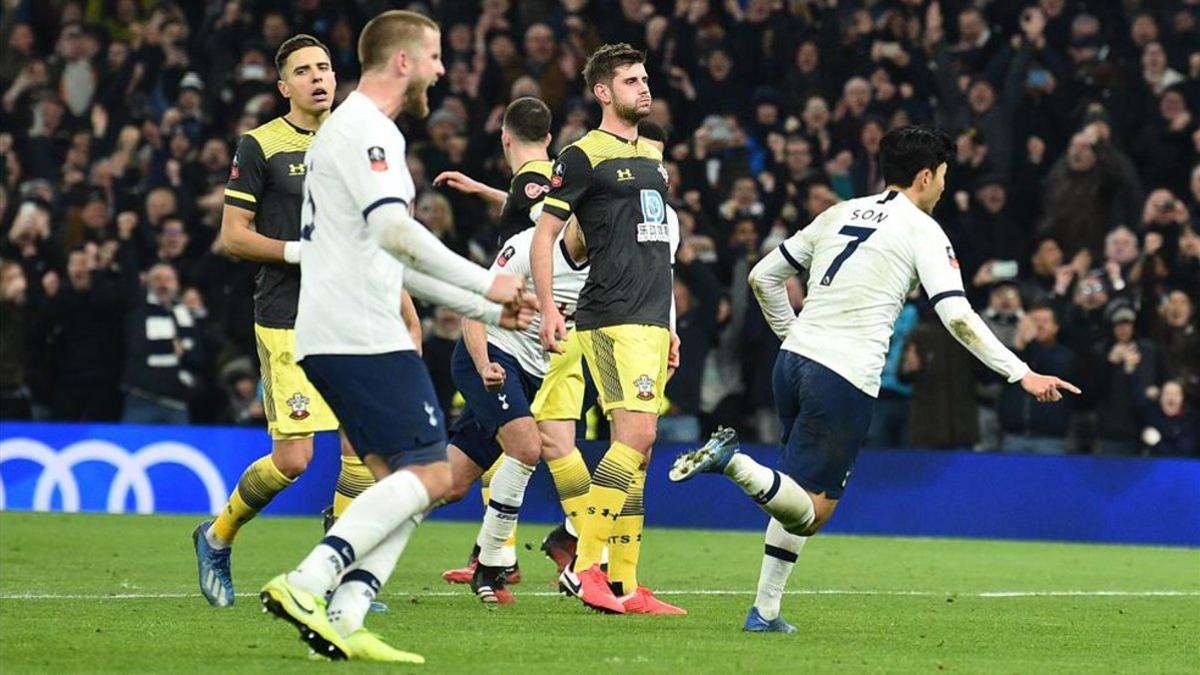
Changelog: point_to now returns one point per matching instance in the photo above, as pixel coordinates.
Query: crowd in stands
(1073, 201)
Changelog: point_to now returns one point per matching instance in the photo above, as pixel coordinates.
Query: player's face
(630, 91)
(426, 67)
(933, 191)
(308, 80)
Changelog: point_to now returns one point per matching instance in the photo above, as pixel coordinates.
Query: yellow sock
(606, 498)
(625, 543)
(352, 480)
(261, 481)
(485, 481)
(572, 479)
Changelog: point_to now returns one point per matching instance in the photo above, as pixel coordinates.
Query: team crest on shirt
(234, 171)
(533, 190)
(645, 387)
(505, 255)
(377, 157)
(556, 179)
(299, 405)
(952, 257)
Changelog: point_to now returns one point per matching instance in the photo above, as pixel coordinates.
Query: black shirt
(529, 185)
(267, 178)
(617, 189)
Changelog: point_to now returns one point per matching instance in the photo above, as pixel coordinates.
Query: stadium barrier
(146, 469)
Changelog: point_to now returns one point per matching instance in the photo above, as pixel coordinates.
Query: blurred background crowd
(1073, 201)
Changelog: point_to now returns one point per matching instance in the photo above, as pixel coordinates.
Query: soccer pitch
(92, 593)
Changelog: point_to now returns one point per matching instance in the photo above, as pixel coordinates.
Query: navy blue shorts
(385, 402)
(486, 411)
(825, 421)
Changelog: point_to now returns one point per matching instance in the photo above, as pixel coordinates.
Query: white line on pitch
(549, 594)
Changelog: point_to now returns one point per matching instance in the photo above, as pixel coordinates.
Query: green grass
(927, 614)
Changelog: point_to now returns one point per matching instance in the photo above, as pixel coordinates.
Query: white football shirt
(514, 257)
(864, 257)
(349, 286)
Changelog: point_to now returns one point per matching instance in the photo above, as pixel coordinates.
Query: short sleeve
(375, 170)
(570, 180)
(247, 175)
(528, 188)
(936, 263)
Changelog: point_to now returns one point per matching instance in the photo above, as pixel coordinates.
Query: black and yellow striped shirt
(617, 189)
(267, 177)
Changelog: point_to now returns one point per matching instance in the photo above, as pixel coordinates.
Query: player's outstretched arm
(971, 332)
(412, 243)
(467, 185)
(541, 257)
(516, 315)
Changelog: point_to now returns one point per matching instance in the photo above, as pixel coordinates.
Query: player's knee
(292, 457)
(439, 481)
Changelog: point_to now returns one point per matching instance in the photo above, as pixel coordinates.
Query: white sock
(361, 583)
(214, 541)
(779, 557)
(369, 519)
(508, 492)
(776, 493)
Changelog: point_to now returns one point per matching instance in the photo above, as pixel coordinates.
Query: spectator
(1172, 429)
(1177, 328)
(1029, 426)
(14, 324)
(943, 412)
(1124, 368)
(1003, 314)
(84, 322)
(889, 423)
(697, 307)
(161, 351)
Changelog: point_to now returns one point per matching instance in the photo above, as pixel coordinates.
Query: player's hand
(493, 375)
(1046, 388)
(519, 315)
(553, 329)
(506, 289)
(673, 356)
(458, 181)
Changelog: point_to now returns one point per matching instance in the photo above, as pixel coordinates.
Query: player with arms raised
(615, 184)
(864, 257)
(362, 246)
(261, 223)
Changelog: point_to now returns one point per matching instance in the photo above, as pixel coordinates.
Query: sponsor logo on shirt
(234, 171)
(952, 257)
(557, 178)
(533, 190)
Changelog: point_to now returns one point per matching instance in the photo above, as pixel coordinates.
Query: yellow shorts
(293, 407)
(561, 394)
(629, 363)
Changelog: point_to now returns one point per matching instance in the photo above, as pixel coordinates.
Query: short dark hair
(652, 131)
(904, 152)
(390, 31)
(294, 44)
(528, 119)
(603, 63)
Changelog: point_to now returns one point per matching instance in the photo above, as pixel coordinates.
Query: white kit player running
(864, 257)
(361, 246)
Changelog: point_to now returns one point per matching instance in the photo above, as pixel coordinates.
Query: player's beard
(415, 101)
(629, 114)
